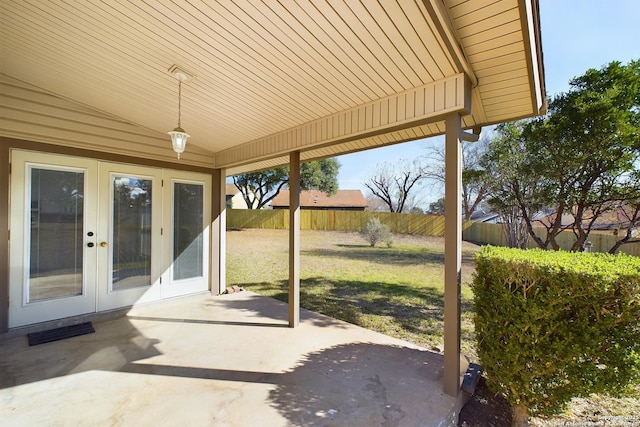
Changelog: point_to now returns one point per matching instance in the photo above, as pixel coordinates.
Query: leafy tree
(259, 188)
(393, 183)
(581, 160)
(474, 179)
(320, 175)
(437, 207)
(587, 149)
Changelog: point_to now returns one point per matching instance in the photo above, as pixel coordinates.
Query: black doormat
(56, 334)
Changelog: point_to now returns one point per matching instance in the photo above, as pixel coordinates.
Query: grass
(398, 291)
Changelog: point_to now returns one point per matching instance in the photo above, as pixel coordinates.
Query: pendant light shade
(179, 140)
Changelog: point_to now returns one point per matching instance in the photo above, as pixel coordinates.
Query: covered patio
(227, 360)
(90, 90)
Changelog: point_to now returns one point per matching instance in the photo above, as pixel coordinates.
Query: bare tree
(514, 228)
(474, 183)
(510, 191)
(375, 204)
(393, 183)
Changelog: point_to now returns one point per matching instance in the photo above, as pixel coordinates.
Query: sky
(576, 35)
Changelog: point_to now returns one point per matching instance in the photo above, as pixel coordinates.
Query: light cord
(179, 101)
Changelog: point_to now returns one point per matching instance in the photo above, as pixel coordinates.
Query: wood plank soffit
(32, 114)
(420, 105)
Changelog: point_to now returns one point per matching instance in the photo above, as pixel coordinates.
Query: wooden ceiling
(264, 67)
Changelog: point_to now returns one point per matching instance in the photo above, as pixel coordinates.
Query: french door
(90, 236)
(54, 212)
(129, 235)
(187, 208)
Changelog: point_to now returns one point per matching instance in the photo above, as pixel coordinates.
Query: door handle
(103, 244)
(90, 244)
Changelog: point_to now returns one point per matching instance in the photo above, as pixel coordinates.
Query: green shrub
(375, 232)
(389, 240)
(556, 325)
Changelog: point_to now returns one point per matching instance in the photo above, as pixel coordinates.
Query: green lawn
(397, 291)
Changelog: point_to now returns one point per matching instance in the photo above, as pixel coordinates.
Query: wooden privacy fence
(425, 225)
(492, 234)
(257, 218)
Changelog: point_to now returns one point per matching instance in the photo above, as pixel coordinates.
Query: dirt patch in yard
(485, 409)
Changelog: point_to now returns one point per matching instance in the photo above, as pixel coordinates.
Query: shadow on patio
(227, 360)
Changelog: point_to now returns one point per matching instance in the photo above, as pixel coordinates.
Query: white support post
(294, 239)
(452, 254)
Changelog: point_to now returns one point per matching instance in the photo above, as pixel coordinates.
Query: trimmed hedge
(556, 325)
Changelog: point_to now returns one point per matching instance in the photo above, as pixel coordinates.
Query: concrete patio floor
(226, 360)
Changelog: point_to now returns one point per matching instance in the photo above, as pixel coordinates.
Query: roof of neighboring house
(617, 218)
(482, 216)
(232, 190)
(342, 199)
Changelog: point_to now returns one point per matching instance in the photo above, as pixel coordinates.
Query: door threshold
(101, 316)
(67, 321)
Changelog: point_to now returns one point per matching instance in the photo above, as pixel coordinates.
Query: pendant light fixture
(178, 135)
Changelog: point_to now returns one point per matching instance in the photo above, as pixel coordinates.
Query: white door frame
(97, 294)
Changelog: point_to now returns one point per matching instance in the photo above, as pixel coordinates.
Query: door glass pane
(188, 207)
(131, 243)
(56, 246)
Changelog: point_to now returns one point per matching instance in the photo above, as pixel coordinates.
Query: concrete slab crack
(391, 412)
